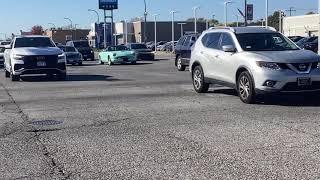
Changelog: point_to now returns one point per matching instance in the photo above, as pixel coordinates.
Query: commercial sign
(250, 12)
(108, 4)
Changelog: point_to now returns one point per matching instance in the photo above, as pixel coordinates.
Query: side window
(226, 40)
(187, 41)
(181, 40)
(211, 40)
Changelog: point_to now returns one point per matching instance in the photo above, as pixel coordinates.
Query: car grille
(30, 62)
(297, 66)
(293, 86)
(72, 56)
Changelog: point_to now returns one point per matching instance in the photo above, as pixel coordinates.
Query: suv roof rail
(227, 28)
(268, 27)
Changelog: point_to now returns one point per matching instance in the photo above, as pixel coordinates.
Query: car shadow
(137, 64)
(280, 99)
(73, 77)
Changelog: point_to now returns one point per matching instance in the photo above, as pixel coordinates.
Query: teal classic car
(117, 55)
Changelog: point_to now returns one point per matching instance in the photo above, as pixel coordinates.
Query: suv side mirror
(229, 48)
(7, 47)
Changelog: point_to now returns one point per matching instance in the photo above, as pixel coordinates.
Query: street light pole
(96, 14)
(126, 28)
(71, 26)
(181, 24)
(226, 12)
(172, 13)
(155, 32)
(53, 25)
(195, 17)
(237, 20)
(245, 13)
(145, 22)
(267, 9)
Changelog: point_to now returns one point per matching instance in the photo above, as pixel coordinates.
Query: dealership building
(306, 25)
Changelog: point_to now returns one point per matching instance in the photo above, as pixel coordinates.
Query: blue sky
(23, 14)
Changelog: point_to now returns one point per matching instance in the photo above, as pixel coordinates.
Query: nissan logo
(302, 67)
(40, 58)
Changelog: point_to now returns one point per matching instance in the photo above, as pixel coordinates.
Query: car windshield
(138, 46)
(117, 48)
(33, 42)
(81, 44)
(70, 49)
(2, 49)
(265, 42)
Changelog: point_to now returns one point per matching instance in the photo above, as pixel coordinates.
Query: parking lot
(145, 121)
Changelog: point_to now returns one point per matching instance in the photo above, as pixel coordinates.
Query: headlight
(62, 58)
(114, 54)
(18, 57)
(269, 65)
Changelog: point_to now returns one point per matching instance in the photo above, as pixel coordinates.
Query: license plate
(304, 81)
(41, 63)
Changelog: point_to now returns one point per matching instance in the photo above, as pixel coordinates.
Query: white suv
(252, 60)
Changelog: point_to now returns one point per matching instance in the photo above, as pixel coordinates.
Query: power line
(290, 10)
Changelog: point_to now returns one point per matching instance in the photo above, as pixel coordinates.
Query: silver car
(252, 60)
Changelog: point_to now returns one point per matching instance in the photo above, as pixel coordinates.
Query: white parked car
(252, 60)
(34, 55)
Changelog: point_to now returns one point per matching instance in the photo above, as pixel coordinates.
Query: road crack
(56, 168)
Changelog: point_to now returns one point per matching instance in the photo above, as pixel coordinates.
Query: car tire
(80, 64)
(134, 62)
(100, 62)
(200, 86)
(7, 73)
(62, 76)
(15, 77)
(180, 66)
(245, 88)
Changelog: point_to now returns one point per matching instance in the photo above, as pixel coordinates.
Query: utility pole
(267, 14)
(145, 22)
(290, 10)
(237, 20)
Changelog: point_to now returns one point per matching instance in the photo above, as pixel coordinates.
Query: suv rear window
(138, 46)
(81, 44)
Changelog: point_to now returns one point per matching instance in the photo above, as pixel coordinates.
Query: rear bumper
(87, 55)
(145, 56)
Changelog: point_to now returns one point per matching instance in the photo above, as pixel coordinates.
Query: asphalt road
(145, 121)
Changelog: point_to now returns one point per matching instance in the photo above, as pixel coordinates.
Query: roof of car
(245, 30)
(32, 36)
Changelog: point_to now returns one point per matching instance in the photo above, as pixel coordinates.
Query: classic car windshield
(118, 48)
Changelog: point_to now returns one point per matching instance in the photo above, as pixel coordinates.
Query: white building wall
(301, 25)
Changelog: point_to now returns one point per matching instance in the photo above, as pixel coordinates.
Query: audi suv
(252, 60)
(34, 55)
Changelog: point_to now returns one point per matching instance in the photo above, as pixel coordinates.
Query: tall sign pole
(108, 5)
(105, 30)
(245, 13)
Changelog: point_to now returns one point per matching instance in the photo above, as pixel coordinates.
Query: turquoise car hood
(123, 53)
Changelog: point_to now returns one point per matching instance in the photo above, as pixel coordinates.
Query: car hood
(71, 53)
(123, 53)
(295, 56)
(143, 50)
(33, 51)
